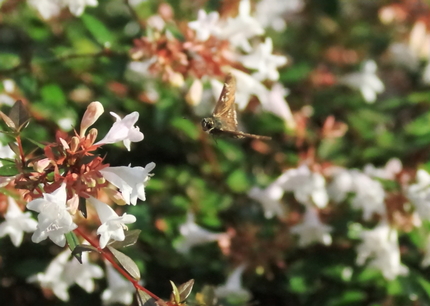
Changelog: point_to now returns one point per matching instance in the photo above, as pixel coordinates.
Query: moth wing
(239, 134)
(225, 108)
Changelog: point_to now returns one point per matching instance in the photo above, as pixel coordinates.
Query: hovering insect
(223, 121)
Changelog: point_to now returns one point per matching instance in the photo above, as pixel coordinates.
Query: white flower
(419, 194)
(393, 167)
(54, 220)
(46, 8)
(53, 278)
(239, 29)
(119, 289)
(82, 274)
(16, 223)
(77, 7)
(308, 186)
(123, 130)
(312, 229)
(381, 248)
(277, 105)
(403, 55)
(6, 152)
(269, 198)
(205, 25)
(366, 81)
(52, 8)
(262, 60)
(62, 273)
(194, 234)
(271, 12)
(369, 193)
(233, 286)
(131, 181)
(341, 184)
(112, 225)
(246, 87)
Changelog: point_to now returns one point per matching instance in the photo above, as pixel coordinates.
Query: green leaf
(126, 262)
(53, 95)
(8, 169)
(73, 242)
(175, 296)
(186, 126)
(98, 30)
(237, 181)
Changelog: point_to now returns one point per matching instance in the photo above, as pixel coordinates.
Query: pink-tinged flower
(64, 271)
(239, 29)
(119, 290)
(233, 289)
(366, 81)
(54, 219)
(130, 181)
(380, 249)
(205, 25)
(112, 225)
(123, 130)
(262, 60)
(312, 230)
(16, 223)
(194, 234)
(270, 199)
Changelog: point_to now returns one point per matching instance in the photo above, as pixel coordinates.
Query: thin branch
(135, 16)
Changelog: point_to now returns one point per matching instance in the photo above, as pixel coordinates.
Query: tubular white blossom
(54, 220)
(130, 181)
(112, 225)
(16, 223)
(123, 130)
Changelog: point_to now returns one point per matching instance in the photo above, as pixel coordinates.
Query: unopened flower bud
(73, 204)
(74, 144)
(176, 79)
(91, 183)
(92, 135)
(194, 95)
(41, 165)
(93, 112)
(115, 196)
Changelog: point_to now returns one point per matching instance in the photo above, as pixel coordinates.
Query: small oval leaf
(175, 296)
(144, 299)
(126, 262)
(185, 289)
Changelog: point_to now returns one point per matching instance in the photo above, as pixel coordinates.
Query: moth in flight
(223, 121)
